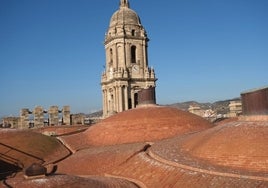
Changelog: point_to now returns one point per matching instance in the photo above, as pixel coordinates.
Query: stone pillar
(111, 101)
(115, 99)
(66, 113)
(103, 103)
(53, 115)
(132, 99)
(120, 99)
(235, 108)
(105, 109)
(38, 116)
(126, 97)
(24, 118)
(78, 119)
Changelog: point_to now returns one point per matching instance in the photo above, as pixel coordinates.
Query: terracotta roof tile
(237, 147)
(139, 125)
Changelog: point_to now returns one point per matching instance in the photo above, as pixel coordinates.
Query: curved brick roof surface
(234, 154)
(22, 148)
(239, 147)
(99, 160)
(143, 124)
(229, 155)
(68, 181)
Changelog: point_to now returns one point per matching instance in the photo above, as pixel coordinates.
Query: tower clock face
(135, 68)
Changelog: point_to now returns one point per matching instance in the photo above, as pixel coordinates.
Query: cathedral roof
(236, 147)
(142, 124)
(124, 15)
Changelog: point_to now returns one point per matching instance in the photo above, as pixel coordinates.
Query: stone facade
(196, 110)
(127, 70)
(24, 118)
(208, 114)
(39, 118)
(53, 115)
(66, 115)
(78, 119)
(235, 108)
(10, 122)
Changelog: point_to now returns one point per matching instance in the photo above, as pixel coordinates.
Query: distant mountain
(221, 107)
(95, 114)
(185, 105)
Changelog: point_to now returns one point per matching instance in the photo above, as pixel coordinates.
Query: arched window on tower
(111, 56)
(136, 100)
(133, 32)
(133, 54)
(111, 103)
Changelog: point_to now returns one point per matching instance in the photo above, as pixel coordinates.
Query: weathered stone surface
(127, 69)
(38, 116)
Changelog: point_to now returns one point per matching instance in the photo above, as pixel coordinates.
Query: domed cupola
(124, 15)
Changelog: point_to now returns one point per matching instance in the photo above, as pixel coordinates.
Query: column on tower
(128, 52)
(106, 101)
(120, 55)
(125, 97)
(120, 99)
(116, 98)
(140, 55)
(110, 101)
(104, 93)
(132, 99)
(145, 60)
(113, 101)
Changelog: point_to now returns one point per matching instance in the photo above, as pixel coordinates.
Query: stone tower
(126, 70)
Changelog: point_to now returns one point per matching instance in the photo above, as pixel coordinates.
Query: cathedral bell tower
(126, 70)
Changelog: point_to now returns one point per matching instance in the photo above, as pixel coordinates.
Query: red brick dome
(144, 124)
(236, 146)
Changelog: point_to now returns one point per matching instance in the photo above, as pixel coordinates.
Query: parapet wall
(39, 117)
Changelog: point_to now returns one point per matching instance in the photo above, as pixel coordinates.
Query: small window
(111, 55)
(133, 32)
(133, 54)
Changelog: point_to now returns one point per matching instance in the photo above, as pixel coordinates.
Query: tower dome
(124, 15)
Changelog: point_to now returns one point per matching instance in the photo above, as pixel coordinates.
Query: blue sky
(52, 53)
